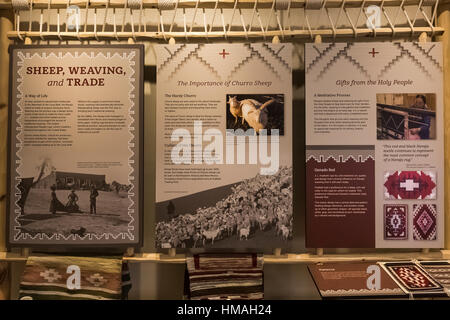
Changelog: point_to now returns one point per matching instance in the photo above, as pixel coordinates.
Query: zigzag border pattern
(358, 158)
(21, 236)
(276, 55)
(320, 56)
(404, 53)
(207, 64)
(193, 53)
(359, 292)
(243, 62)
(427, 54)
(333, 61)
(390, 64)
(172, 54)
(257, 54)
(356, 63)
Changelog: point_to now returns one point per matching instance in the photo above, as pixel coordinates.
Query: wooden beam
(6, 24)
(445, 254)
(43, 4)
(219, 35)
(444, 22)
(275, 259)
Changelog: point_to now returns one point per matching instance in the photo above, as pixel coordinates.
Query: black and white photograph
(256, 111)
(253, 213)
(72, 203)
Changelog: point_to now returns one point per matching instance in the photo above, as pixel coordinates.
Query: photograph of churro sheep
(256, 111)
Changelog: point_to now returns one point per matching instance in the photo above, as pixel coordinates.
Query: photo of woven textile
(410, 185)
(424, 222)
(395, 222)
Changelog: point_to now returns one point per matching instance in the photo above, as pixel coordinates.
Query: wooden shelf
(290, 258)
(11, 257)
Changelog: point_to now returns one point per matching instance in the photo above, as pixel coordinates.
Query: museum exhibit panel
(240, 174)
(224, 150)
(71, 185)
(379, 187)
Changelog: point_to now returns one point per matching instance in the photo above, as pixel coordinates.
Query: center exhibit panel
(224, 142)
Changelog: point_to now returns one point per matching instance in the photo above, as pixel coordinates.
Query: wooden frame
(281, 10)
(43, 4)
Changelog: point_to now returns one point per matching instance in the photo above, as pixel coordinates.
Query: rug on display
(414, 279)
(237, 276)
(439, 270)
(74, 278)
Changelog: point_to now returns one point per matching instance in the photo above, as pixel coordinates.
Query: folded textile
(73, 278)
(4, 283)
(126, 281)
(225, 276)
(3, 271)
(439, 271)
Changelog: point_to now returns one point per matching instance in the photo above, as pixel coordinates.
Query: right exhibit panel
(374, 145)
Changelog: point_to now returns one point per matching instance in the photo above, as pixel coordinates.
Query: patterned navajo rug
(410, 185)
(424, 221)
(412, 277)
(225, 276)
(395, 221)
(46, 278)
(439, 270)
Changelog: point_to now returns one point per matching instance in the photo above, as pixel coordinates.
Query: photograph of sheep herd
(253, 213)
(255, 111)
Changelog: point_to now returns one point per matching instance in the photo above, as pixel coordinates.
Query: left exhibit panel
(75, 145)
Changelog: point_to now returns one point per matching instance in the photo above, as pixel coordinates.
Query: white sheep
(251, 111)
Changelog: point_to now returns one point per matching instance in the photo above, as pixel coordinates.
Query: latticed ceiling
(221, 19)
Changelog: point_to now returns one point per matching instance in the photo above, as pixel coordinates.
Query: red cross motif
(373, 52)
(223, 53)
